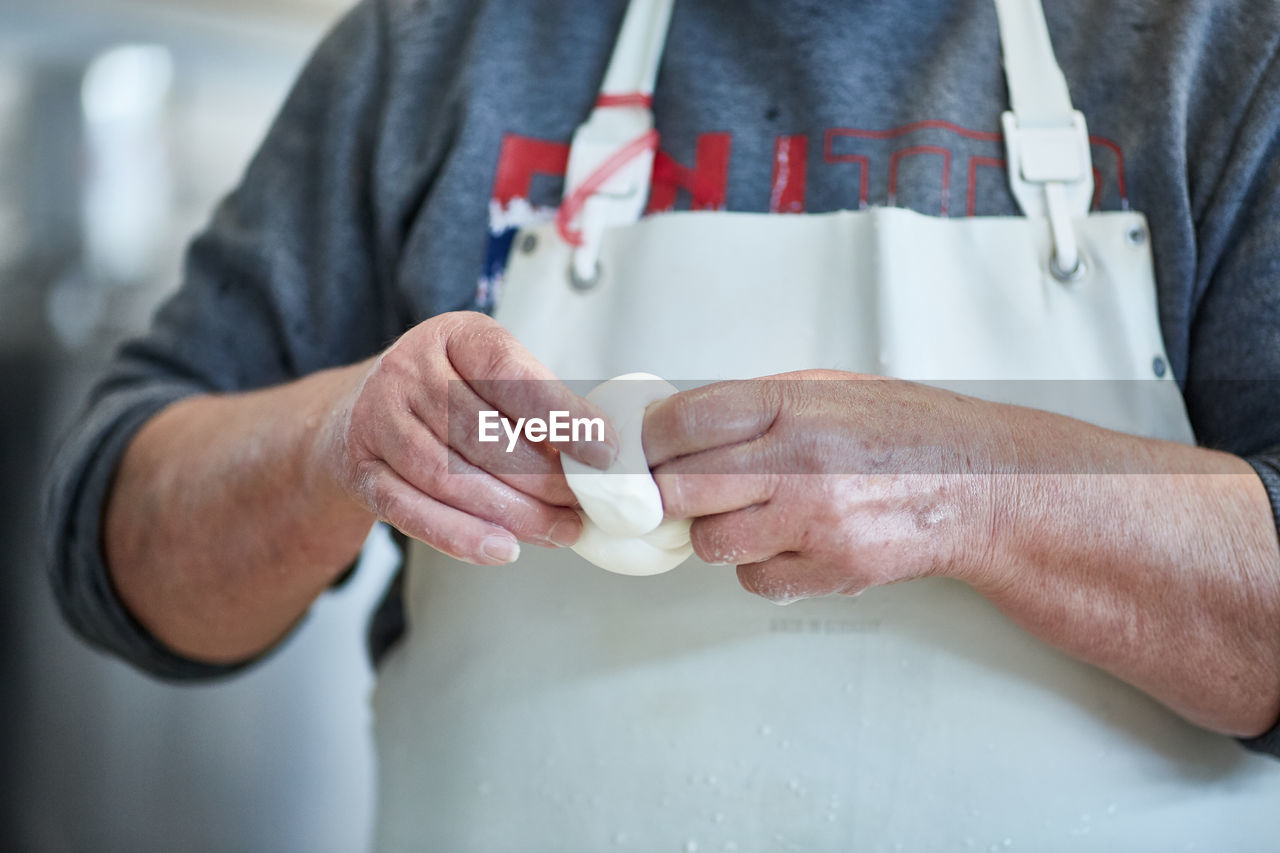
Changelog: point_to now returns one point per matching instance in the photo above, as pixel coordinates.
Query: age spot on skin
(928, 518)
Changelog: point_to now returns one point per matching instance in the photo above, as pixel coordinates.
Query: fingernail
(501, 549)
(565, 532)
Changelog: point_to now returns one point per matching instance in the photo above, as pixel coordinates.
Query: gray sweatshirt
(381, 195)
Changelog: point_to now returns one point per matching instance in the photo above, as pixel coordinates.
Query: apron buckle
(1051, 176)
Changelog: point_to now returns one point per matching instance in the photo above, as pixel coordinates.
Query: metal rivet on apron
(1067, 276)
(581, 284)
(529, 243)
(1158, 366)
(1136, 236)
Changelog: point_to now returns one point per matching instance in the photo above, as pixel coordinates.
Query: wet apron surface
(552, 706)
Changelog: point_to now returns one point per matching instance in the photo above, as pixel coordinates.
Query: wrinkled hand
(822, 482)
(402, 442)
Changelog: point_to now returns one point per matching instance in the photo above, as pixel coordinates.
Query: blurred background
(122, 122)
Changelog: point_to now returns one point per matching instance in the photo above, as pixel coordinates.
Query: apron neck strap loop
(611, 158)
(1047, 140)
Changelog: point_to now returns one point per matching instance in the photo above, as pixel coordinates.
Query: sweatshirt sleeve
(1268, 467)
(1233, 380)
(282, 282)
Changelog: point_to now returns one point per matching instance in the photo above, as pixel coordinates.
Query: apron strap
(1037, 88)
(633, 68)
(1047, 140)
(611, 158)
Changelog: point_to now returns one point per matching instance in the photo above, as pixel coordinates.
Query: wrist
(323, 454)
(991, 499)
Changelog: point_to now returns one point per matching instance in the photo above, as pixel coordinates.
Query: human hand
(402, 441)
(822, 482)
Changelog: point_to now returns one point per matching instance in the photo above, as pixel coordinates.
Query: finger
(716, 481)
(710, 416)
(789, 577)
(531, 467)
(739, 537)
(505, 374)
(461, 536)
(777, 579)
(550, 488)
(409, 449)
(530, 519)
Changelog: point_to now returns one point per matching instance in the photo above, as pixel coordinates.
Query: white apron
(553, 706)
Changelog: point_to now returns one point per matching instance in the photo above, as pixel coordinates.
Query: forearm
(1167, 576)
(222, 525)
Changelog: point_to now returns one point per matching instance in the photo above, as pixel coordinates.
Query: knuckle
(671, 487)
(399, 361)
(500, 357)
(546, 485)
(775, 484)
(363, 483)
(499, 506)
(434, 473)
(468, 319)
(521, 515)
(413, 355)
(527, 528)
(389, 505)
(776, 399)
(455, 541)
(452, 322)
(682, 415)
